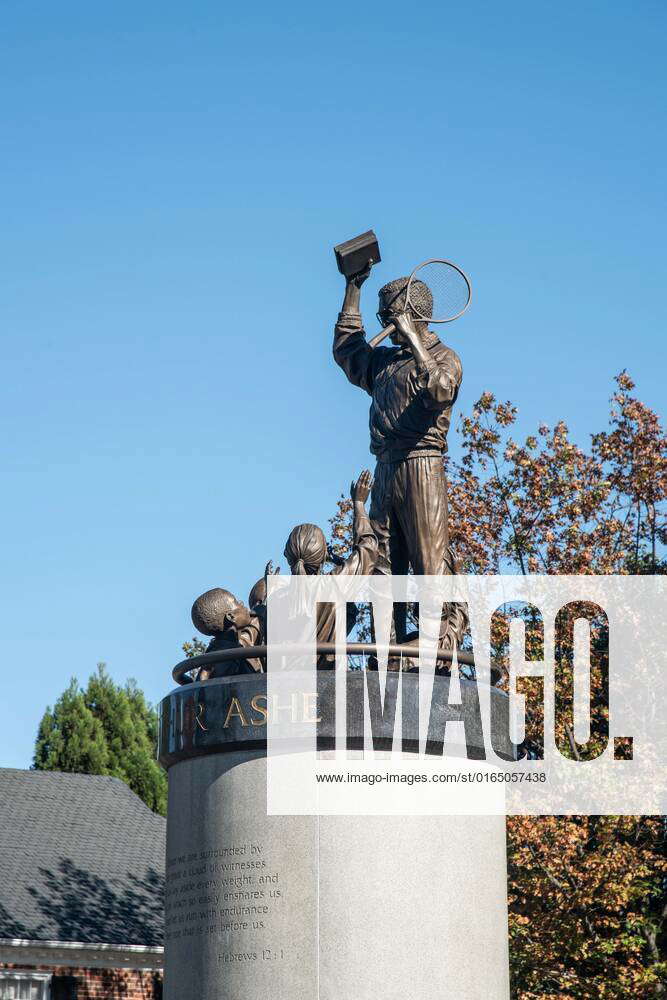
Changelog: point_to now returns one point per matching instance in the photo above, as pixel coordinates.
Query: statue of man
(413, 386)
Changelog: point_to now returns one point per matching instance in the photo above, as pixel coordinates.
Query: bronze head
(217, 610)
(306, 550)
(392, 301)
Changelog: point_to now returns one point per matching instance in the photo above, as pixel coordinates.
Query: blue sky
(173, 177)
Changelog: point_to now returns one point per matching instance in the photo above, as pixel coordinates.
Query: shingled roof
(81, 859)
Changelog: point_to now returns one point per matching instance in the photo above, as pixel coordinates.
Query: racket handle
(379, 337)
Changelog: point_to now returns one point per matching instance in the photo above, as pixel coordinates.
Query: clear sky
(172, 179)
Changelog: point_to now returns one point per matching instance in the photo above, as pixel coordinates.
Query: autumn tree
(586, 893)
(546, 505)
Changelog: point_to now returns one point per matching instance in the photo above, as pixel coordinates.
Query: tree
(549, 506)
(195, 647)
(104, 729)
(587, 907)
(586, 893)
(71, 738)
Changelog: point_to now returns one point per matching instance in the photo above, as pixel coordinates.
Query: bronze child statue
(306, 552)
(257, 599)
(232, 625)
(220, 614)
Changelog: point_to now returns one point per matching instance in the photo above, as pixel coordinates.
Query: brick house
(81, 889)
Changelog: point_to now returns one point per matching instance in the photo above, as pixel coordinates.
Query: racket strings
(438, 291)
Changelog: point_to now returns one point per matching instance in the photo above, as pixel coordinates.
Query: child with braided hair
(306, 552)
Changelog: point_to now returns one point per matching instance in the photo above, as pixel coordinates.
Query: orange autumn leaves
(587, 895)
(547, 505)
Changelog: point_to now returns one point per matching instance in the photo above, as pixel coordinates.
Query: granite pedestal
(315, 908)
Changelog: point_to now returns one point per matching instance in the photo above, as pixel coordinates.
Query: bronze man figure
(413, 386)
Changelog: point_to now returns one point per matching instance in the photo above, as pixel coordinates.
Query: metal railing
(403, 651)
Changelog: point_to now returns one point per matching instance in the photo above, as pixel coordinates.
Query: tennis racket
(447, 295)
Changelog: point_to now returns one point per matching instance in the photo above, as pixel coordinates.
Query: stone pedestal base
(326, 908)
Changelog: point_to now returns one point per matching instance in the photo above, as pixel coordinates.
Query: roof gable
(81, 859)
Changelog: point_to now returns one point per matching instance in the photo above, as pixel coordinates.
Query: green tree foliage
(195, 647)
(108, 729)
(70, 737)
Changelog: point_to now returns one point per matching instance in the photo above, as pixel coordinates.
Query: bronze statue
(306, 552)
(257, 600)
(220, 614)
(232, 625)
(413, 387)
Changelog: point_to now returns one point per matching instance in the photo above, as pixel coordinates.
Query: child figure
(306, 553)
(257, 599)
(220, 614)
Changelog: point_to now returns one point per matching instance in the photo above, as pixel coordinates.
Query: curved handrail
(322, 648)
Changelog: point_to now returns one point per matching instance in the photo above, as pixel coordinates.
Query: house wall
(98, 984)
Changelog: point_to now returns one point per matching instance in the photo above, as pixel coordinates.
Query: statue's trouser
(409, 515)
(318, 908)
(410, 519)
